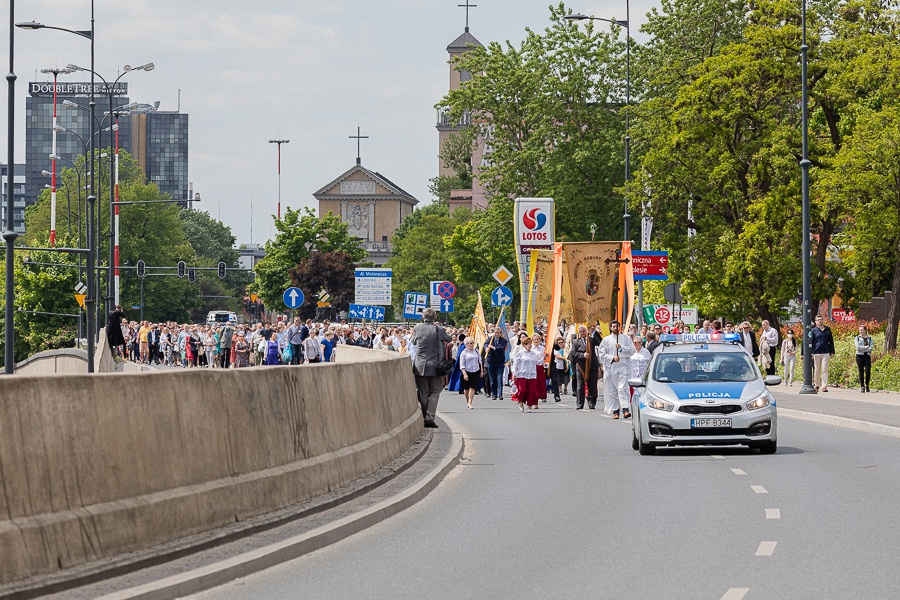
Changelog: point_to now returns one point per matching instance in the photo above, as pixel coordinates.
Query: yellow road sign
(503, 275)
(253, 297)
(323, 304)
(80, 298)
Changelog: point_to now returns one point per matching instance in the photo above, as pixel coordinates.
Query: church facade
(371, 205)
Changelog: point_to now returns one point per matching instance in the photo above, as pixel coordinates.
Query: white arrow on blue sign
(501, 296)
(360, 311)
(447, 305)
(293, 297)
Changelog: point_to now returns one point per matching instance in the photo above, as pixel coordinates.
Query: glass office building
(157, 140)
(18, 197)
(70, 144)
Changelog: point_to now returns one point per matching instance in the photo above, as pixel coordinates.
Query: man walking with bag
(429, 339)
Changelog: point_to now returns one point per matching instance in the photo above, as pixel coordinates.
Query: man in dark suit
(748, 340)
(429, 339)
(587, 367)
(154, 338)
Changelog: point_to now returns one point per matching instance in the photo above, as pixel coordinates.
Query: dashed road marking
(773, 513)
(759, 489)
(766, 548)
(738, 471)
(720, 457)
(735, 593)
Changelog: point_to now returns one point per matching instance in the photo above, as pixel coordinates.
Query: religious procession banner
(626, 285)
(542, 261)
(592, 268)
(478, 328)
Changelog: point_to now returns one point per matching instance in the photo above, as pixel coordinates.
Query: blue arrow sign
(293, 297)
(501, 296)
(447, 305)
(372, 313)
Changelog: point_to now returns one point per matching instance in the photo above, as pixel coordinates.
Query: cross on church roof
(467, 6)
(359, 137)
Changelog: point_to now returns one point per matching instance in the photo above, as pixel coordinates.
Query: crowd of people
(448, 358)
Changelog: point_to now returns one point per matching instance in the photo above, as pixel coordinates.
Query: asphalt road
(555, 504)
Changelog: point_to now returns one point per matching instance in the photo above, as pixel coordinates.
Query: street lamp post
(807, 387)
(91, 199)
(112, 283)
(279, 142)
(9, 234)
(626, 217)
(56, 71)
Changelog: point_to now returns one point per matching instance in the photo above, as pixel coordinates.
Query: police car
(703, 389)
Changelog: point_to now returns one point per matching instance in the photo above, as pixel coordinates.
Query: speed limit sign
(662, 315)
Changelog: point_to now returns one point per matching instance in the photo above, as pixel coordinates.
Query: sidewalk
(875, 412)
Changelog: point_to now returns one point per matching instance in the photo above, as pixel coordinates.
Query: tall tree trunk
(890, 333)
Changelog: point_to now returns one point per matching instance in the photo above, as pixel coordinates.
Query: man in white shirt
(770, 335)
(615, 353)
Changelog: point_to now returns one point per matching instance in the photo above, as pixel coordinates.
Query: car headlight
(659, 404)
(761, 402)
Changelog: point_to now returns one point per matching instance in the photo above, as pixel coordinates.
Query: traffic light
(141, 268)
(182, 268)
(221, 270)
(192, 276)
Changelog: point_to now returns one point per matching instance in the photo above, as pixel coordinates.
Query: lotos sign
(843, 315)
(534, 224)
(535, 221)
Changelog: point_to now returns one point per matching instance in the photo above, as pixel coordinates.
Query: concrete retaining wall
(96, 465)
(68, 360)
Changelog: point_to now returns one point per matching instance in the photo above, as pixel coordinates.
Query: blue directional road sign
(360, 311)
(414, 305)
(293, 297)
(446, 305)
(501, 296)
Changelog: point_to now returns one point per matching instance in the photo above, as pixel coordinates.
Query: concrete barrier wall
(95, 465)
(68, 360)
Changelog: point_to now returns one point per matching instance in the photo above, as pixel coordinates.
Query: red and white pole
(53, 171)
(116, 223)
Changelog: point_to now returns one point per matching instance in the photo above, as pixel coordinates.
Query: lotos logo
(534, 219)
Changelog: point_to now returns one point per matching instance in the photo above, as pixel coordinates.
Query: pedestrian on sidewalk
(864, 357)
(770, 336)
(789, 356)
(429, 339)
(822, 343)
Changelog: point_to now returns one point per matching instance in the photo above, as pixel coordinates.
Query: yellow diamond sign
(503, 275)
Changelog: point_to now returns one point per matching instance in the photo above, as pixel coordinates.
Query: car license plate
(710, 423)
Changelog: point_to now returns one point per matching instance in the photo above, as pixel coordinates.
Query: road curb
(864, 426)
(216, 574)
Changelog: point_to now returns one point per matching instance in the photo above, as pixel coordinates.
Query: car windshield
(705, 366)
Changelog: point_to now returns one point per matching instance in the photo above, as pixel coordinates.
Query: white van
(220, 317)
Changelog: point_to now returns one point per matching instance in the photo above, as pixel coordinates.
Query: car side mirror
(637, 382)
(772, 380)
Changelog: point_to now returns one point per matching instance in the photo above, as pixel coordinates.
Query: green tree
(550, 110)
(420, 256)
(300, 233)
(332, 271)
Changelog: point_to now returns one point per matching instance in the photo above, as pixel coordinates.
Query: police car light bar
(671, 338)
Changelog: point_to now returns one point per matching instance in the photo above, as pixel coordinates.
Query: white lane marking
(738, 471)
(759, 489)
(773, 513)
(766, 548)
(720, 457)
(735, 593)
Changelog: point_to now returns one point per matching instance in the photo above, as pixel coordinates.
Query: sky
(308, 72)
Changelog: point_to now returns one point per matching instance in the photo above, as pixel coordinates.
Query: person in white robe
(614, 353)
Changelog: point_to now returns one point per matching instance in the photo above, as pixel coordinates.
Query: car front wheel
(768, 447)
